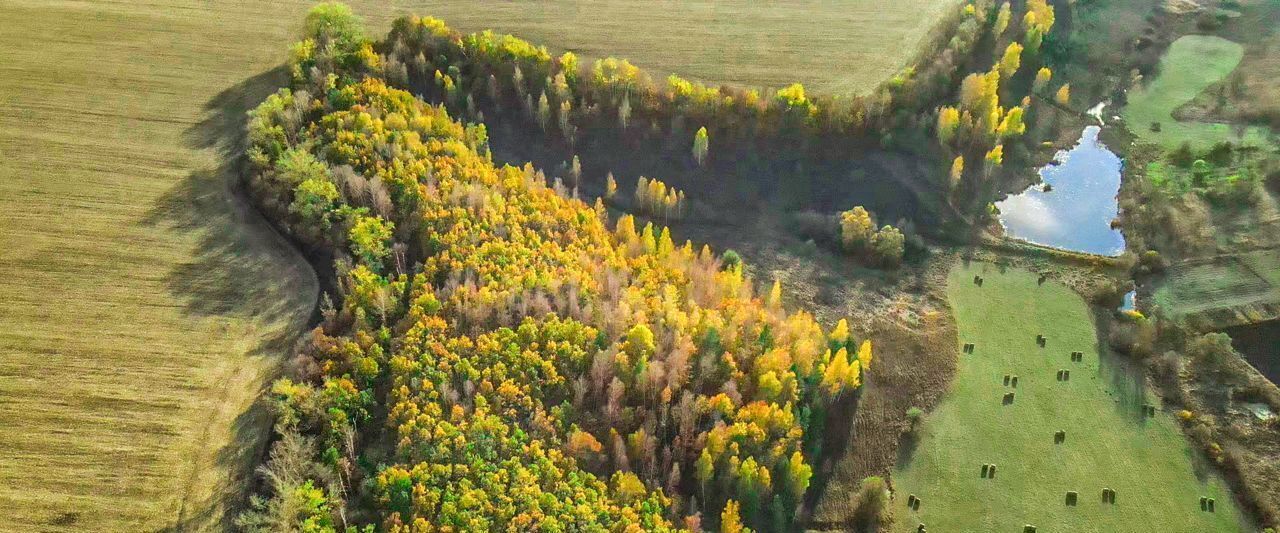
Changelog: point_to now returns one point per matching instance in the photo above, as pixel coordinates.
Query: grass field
(833, 46)
(1191, 64)
(1157, 477)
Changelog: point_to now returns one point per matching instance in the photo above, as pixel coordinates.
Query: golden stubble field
(143, 306)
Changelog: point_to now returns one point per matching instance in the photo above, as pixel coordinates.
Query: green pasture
(1158, 479)
(1192, 63)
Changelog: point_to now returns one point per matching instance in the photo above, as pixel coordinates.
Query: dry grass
(143, 305)
(914, 369)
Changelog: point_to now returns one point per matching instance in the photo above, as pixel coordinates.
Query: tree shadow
(242, 268)
(243, 271)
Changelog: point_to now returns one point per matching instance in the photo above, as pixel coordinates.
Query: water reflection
(1075, 210)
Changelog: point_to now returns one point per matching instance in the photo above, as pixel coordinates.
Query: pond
(1074, 208)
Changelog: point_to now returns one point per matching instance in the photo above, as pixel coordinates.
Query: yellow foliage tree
(995, 156)
(957, 170)
(948, 122)
(1011, 60)
(731, 520)
(610, 186)
(856, 227)
(1043, 76)
(1003, 18)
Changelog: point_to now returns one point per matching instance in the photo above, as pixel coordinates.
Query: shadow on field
(242, 268)
(243, 272)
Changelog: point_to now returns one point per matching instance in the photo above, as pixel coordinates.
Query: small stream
(1074, 207)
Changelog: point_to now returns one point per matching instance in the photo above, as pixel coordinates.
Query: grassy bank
(1109, 444)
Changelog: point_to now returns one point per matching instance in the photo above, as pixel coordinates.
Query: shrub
(871, 505)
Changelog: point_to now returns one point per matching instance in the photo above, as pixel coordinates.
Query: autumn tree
(700, 146)
(1043, 77)
(887, 245)
(856, 228)
(610, 186)
(1003, 17)
(957, 171)
(1011, 60)
(1063, 96)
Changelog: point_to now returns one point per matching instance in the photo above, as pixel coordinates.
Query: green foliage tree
(887, 245)
(370, 240)
(314, 200)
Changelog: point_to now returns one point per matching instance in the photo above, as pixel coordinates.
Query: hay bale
(1008, 398)
(1060, 437)
(985, 467)
(920, 529)
(1066, 375)
(1028, 529)
(1072, 497)
(1006, 380)
(911, 500)
(1058, 376)
(992, 473)
(1211, 505)
(1015, 382)
(1204, 503)
(916, 506)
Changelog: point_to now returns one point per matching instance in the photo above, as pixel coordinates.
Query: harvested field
(845, 47)
(144, 306)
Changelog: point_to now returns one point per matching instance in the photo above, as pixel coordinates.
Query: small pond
(1130, 302)
(1076, 211)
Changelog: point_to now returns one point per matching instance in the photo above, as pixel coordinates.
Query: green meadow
(1157, 478)
(1192, 63)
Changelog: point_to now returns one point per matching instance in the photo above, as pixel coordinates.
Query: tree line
(566, 97)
